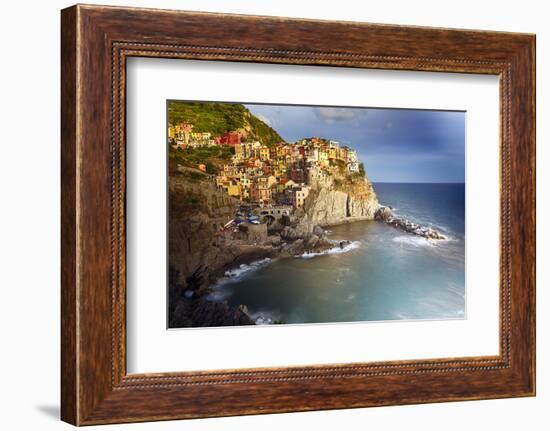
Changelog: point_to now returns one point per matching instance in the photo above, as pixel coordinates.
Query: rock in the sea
(387, 216)
(200, 312)
(289, 234)
(433, 234)
(294, 248)
(343, 244)
(312, 241)
(384, 214)
(318, 230)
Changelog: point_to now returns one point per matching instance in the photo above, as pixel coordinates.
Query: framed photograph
(264, 214)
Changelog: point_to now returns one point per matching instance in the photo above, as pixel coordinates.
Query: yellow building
(343, 154)
(233, 189)
(323, 159)
(264, 153)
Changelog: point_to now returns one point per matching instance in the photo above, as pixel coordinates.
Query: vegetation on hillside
(212, 157)
(186, 202)
(219, 118)
(361, 169)
(263, 132)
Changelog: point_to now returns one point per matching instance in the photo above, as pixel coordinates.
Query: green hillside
(219, 118)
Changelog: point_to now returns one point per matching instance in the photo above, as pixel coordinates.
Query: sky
(396, 145)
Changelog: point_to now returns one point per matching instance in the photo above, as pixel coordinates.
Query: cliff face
(198, 253)
(196, 212)
(198, 250)
(201, 250)
(341, 202)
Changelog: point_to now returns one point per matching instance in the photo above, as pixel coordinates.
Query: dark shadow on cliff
(195, 310)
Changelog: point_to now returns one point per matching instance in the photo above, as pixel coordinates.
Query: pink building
(230, 138)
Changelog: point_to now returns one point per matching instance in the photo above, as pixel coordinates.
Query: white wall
(29, 220)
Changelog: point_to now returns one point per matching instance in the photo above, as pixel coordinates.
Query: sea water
(383, 274)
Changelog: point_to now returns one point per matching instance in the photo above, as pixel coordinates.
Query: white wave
(414, 240)
(439, 226)
(219, 292)
(218, 295)
(244, 268)
(264, 318)
(334, 250)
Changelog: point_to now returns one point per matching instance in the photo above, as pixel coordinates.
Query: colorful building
(265, 153)
(230, 138)
(233, 189)
(260, 193)
(300, 195)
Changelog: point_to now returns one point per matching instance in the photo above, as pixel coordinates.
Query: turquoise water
(386, 274)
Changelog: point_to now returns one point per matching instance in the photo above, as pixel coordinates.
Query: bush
(211, 169)
(361, 169)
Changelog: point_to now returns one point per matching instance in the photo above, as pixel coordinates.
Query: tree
(361, 169)
(211, 168)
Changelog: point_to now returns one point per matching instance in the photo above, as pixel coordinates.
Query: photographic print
(298, 214)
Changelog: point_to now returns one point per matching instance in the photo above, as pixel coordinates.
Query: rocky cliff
(341, 201)
(198, 253)
(201, 249)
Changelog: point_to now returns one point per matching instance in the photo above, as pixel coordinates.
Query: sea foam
(416, 241)
(219, 291)
(244, 268)
(334, 250)
(265, 317)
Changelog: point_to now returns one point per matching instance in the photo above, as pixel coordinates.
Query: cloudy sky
(396, 145)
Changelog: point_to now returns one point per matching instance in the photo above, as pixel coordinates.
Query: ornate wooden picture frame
(96, 41)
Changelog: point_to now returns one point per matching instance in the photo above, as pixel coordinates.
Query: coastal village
(277, 177)
(239, 194)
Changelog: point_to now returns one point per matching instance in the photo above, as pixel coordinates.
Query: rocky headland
(340, 199)
(386, 215)
(202, 250)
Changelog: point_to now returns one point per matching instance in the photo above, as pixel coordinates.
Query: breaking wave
(420, 241)
(220, 291)
(244, 268)
(334, 250)
(266, 317)
(414, 240)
